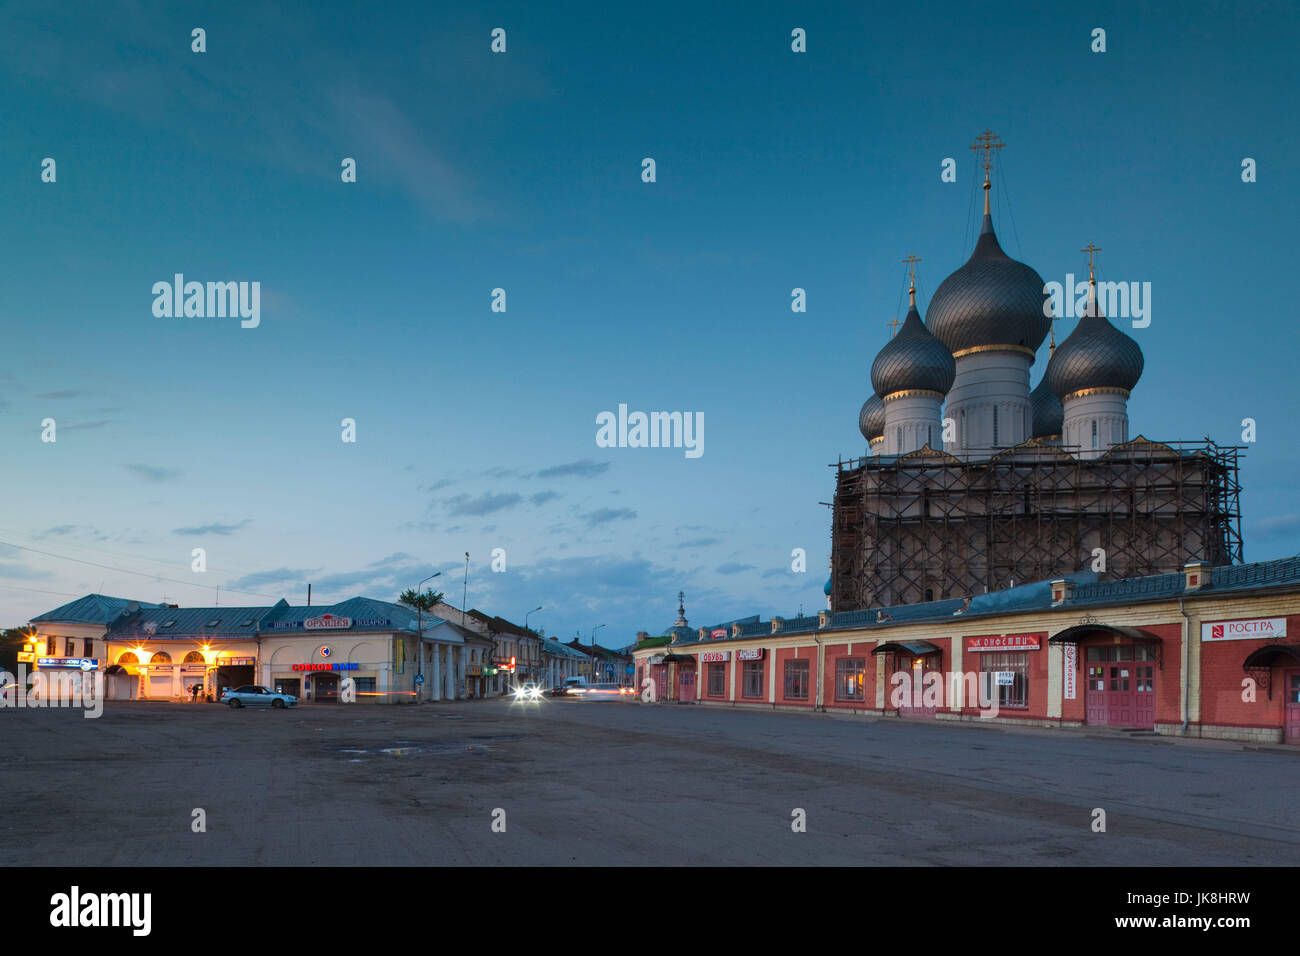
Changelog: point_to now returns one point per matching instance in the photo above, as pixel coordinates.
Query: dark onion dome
(827, 590)
(1048, 414)
(913, 359)
(1094, 355)
(871, 420)
(991, 301)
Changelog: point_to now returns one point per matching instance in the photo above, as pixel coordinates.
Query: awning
(1073, 635)
(914, 648)
(678, 659)
(1272, 654)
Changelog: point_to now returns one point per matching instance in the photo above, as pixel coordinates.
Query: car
(604, 692)
(253, 696)
(528, 692)
(575, 687)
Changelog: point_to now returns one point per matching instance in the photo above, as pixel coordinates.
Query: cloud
(278, 576)
(213, 528)
(21, 572)
(585, 468)
(1276, 526)
(699, 542)
(152, 472)
(732, 567)
(544, 496)
(85, 426)
(606, 515)
(485, 504)
(66, 393)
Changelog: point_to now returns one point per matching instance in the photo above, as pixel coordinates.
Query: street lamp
(593, 651)
(539, 649)
(419, 632)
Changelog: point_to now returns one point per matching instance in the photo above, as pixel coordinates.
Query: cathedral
(976, 481)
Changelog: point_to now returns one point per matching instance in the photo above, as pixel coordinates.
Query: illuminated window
(128, 657)
(162, 657)
(193, 657)
(850, 678)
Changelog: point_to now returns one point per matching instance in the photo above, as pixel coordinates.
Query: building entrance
(1121, 685)
(1292, 684)
(326, 688)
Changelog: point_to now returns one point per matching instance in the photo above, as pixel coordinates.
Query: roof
(186, 622)
(91, 609)
(367, 614)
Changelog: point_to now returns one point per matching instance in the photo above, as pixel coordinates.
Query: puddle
(401, 751)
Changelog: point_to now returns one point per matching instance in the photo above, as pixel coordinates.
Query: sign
(419, 679)
(1249, 629)
(718, 632)
(1006, 642)
(26, 657)
(237, 662)
(79, 663)
(336, 666)
(326, 621)
(752, 654)
(474, 670)
(656, 659)
(1005, 678)
(1071, 665)
(715, 657)
(151, 628)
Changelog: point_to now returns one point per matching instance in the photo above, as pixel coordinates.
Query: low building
(1205, 652)
(516, 652)
(559, 661)
(604, 665)
(149, 651)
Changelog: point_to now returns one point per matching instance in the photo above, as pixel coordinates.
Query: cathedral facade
(976, 480)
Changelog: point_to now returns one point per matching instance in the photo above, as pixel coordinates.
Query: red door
(1121, 686)
(1292, 678)
(686, 684)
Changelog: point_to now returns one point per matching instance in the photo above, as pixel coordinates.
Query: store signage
(657, 659)
(474, 670)
(714, 657)
(1251, 628)
(1005, 678)
(336, 666)
(26, 657)
(80, 663)
(326, 621)
(751, 654)
(718, 632)
(1005, 642)
(237, 662)
(1071, 665)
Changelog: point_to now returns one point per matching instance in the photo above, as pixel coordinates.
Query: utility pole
(419, 632)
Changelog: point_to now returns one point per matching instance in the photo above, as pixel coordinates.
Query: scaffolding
(928, 526)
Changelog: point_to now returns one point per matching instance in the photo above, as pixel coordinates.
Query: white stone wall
(1109, 410)
(987, 381)
(911, 422)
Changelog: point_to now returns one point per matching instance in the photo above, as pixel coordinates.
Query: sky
(476, 430)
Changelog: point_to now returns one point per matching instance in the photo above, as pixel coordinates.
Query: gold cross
(894, 325)
(911, 262)
(987, 141)
(1090, 249)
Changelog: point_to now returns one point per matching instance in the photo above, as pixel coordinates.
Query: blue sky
(476, 430)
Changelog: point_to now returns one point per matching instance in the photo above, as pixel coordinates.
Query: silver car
(254, 696)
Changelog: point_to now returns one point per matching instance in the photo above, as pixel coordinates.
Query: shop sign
(1005, 642)
(1005, 678)
(336, 666)
(237, 662)
(474, 670)
(26, 657)
(751, 654)
(718, 632)
(79, 663)
(714, 657)
(326, 621)
(656, 659)
(1251, 628)
(1071, 665)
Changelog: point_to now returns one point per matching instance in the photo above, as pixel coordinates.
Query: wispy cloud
(606, 515)
(85, 426)
(484, 504)
(152, 472)
(585, 468)
(1276, 526)
(733, 567)
(544, 496)
(59, 396)
(214, 528)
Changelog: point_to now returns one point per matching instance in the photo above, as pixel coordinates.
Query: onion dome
(991, 301)
(1094, 355)
(1047, 413)
(827, 589)
(913, 359)
(871, 420)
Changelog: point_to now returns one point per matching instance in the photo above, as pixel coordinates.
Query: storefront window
(850, 678)
(796, 680)
(1014, 694)
(365, 685)
(753, 679)
(717, 680)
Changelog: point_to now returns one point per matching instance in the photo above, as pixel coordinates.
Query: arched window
(128, 657)
(193, 657)
(162, 657)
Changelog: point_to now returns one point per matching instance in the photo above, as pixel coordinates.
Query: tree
(425, 602)
(11, 642)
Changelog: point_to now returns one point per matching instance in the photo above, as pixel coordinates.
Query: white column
(448, 688)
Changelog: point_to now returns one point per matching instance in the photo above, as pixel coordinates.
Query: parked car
(254, 696)
(575, 686)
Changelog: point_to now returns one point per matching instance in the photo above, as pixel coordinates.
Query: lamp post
(593, 651)
(539, 649)
(419, 633)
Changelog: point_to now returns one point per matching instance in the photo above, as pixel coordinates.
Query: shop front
(1120, 667)
(914, 671)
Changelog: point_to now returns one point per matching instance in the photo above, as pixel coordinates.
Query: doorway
(327, 688)
(1121, 690)
(1292, 718)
